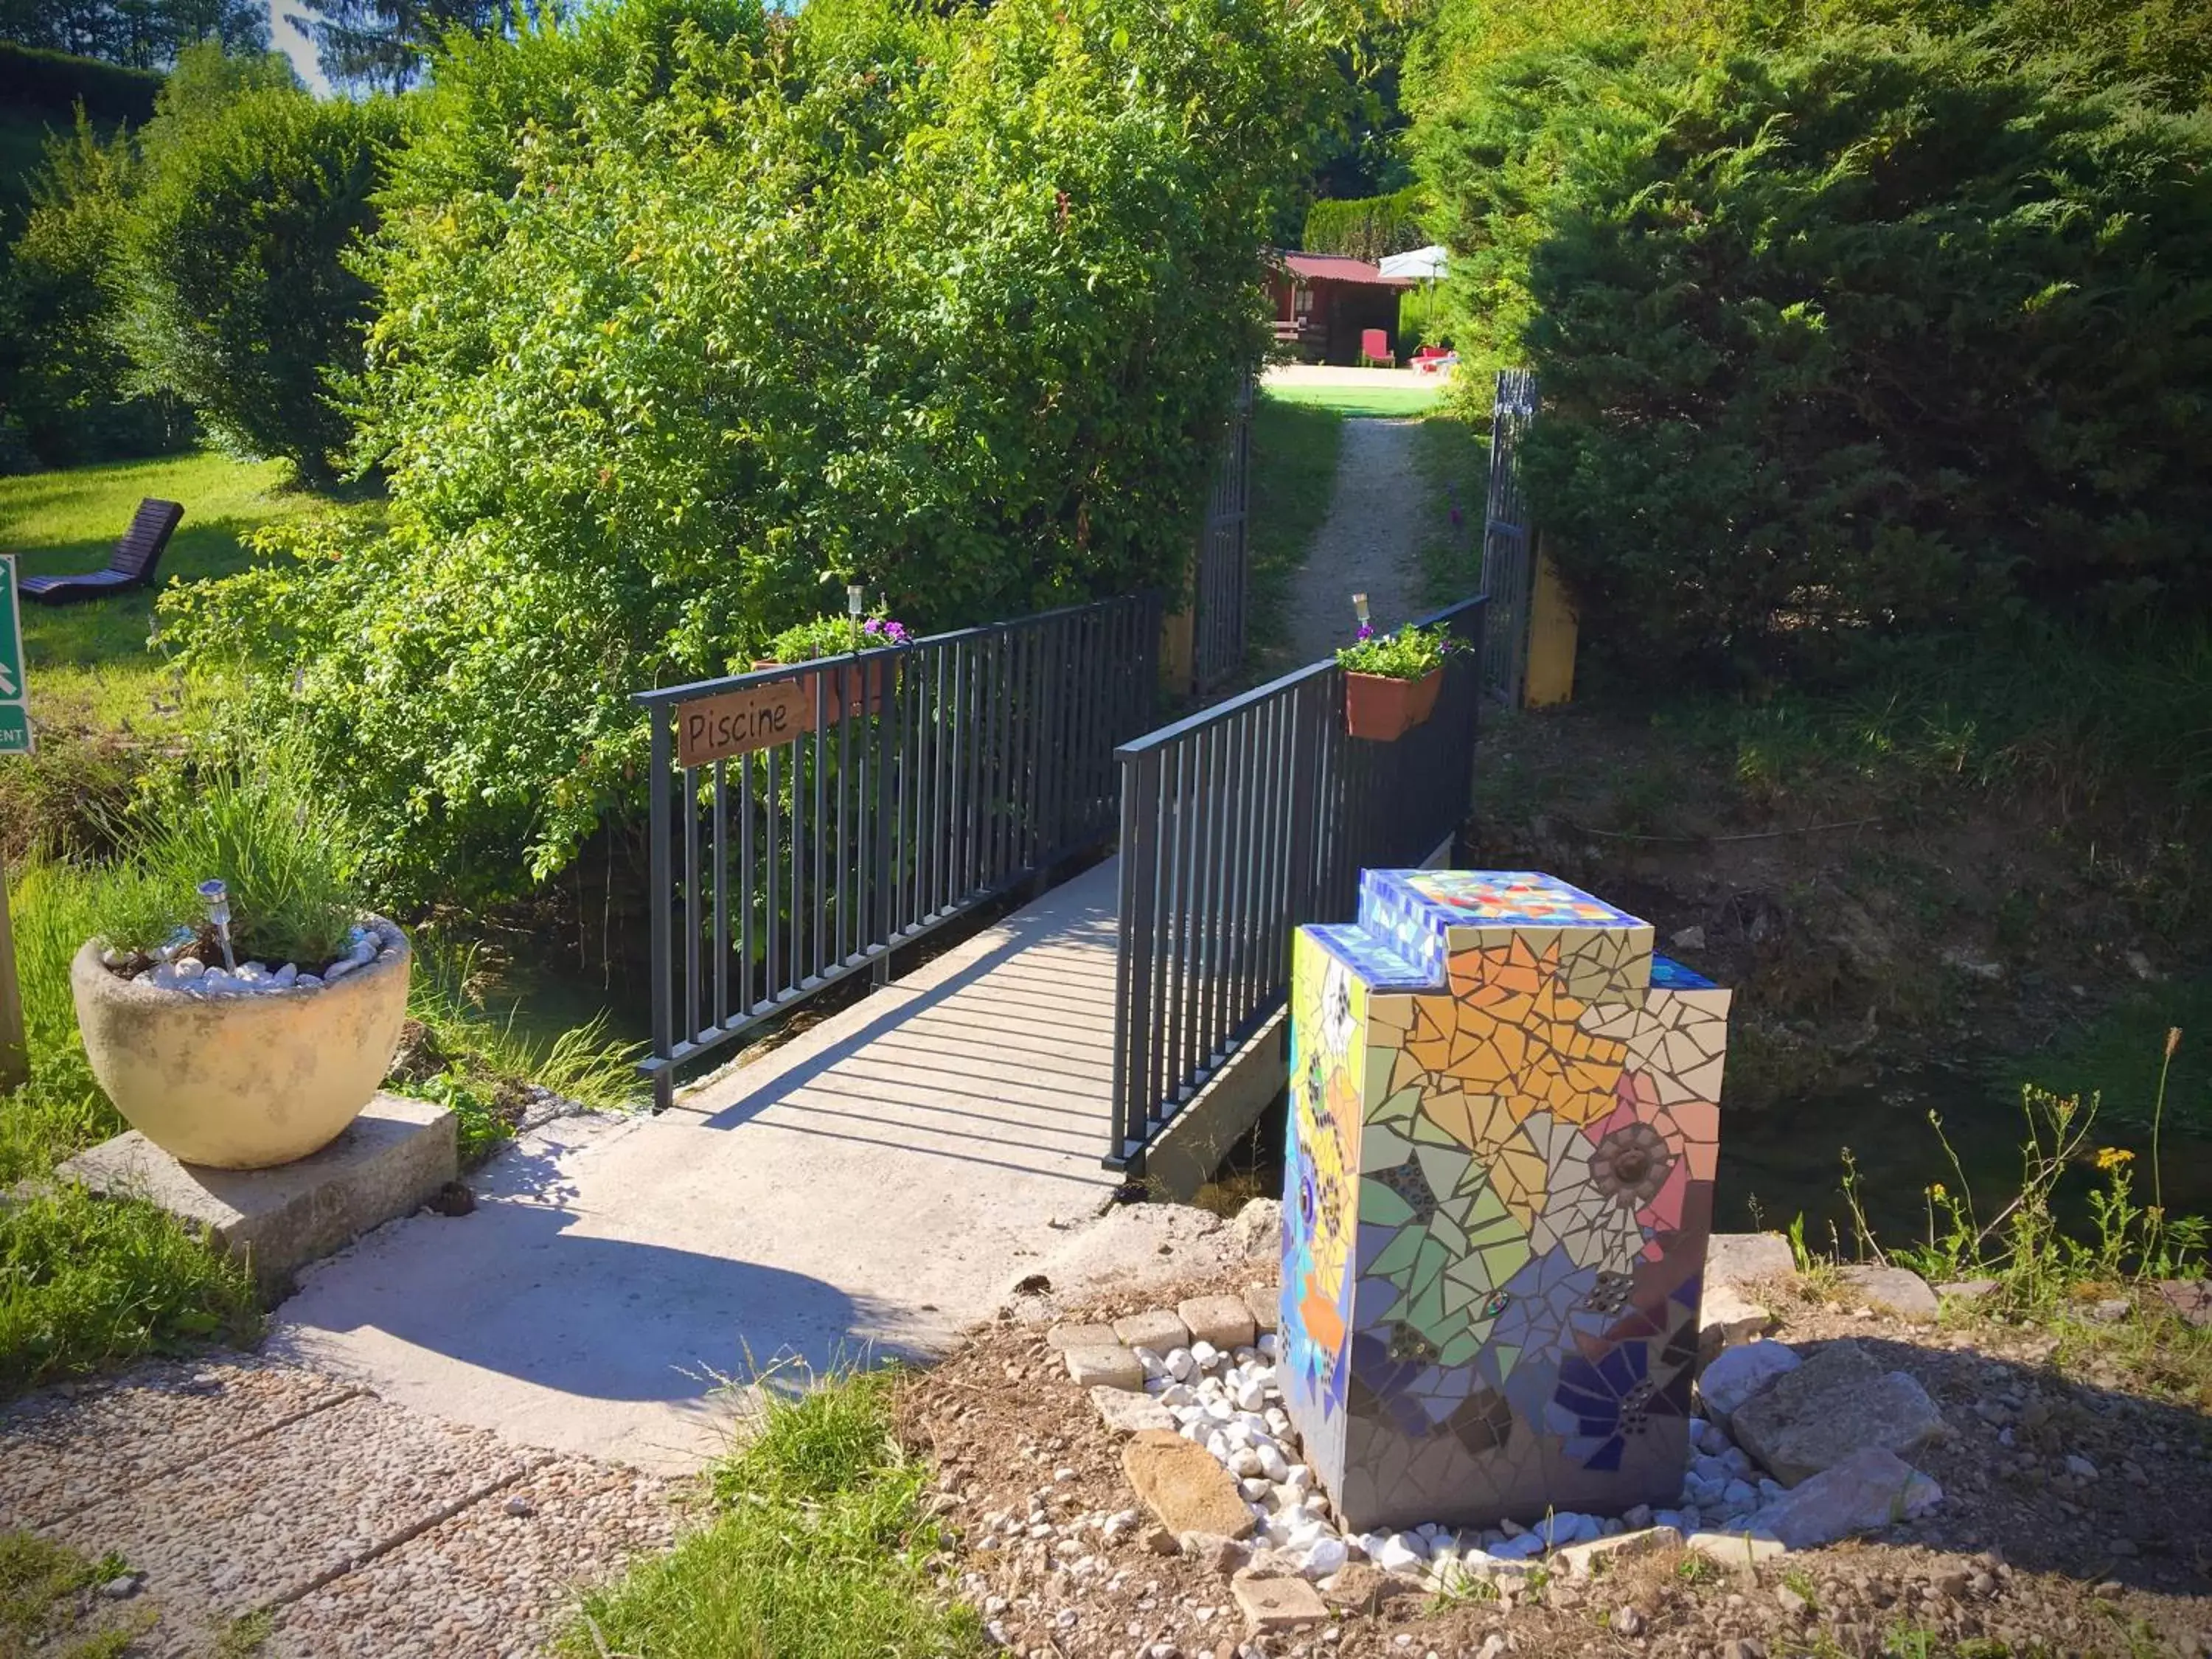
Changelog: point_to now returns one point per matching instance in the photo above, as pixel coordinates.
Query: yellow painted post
(1552, 638)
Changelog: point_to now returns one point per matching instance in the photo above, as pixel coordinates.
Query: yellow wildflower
(1936, 1191)
(2111, 1157)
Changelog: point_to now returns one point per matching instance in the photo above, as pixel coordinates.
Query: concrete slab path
(875, 1184)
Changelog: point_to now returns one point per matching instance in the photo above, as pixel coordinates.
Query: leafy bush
(239, 300)
(1369, 227)
(62, 375)
(683, 314)
(1867, 335)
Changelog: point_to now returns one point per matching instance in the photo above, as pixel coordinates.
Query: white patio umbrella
(1424, 265)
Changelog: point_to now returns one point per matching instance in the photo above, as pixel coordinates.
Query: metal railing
(1218, 600)
(1509, 566)
(1238, 824)
(914, 784)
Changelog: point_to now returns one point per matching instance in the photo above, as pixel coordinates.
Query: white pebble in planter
(251, 1079)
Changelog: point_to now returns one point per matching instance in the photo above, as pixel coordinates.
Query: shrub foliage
(690, 316)
(1367, 227)
(239, 299)
(1876, 331)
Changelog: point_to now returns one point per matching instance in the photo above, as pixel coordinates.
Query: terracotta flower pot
(1382, 710)
(244, 1082)
(868, 699)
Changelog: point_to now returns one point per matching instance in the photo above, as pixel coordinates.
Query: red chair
(1375, 348)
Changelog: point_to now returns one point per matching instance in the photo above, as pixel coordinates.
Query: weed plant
(818, 1548)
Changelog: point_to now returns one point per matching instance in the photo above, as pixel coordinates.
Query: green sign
(15, 701)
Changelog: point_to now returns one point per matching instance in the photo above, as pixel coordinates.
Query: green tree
(238, 299)
(1877, 332)
(383, 43)
(63, 376)
(685, 311)
(141, 33)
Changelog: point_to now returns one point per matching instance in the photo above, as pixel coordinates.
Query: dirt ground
(2025, 1556)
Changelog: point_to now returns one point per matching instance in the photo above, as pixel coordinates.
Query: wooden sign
(740, 721)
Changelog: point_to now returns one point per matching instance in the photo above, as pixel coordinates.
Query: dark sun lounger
(133, 563)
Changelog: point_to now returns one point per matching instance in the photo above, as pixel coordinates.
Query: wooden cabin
(1325, 301)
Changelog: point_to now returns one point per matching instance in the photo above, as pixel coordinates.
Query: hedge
(54, 82)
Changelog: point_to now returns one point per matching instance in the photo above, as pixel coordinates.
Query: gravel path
(1366, 544)
(237, 1485)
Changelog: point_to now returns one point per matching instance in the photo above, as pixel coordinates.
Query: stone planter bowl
(243, 1082)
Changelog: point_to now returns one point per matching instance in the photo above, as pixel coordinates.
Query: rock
(1736, 1373)
(1735, 1549)
(1726, 1317)
(1318, 1554)
(2080, 1467)
(1277, 1604)
(1965, 1290)
(1182, 1485)
(123, 1587)
(2112, 1311)
(188, 967)
(1399, 1553)
(1626, 1621)
(1748, 1258)
(1966, 962)
(1060, 1338)
(1214, 1553)
(1580, 1559)
(1158, 1330)
(1836, 1403)
(1870, 1489)
(1223, 1321)
(1744, 1647)
(1258, 1228)
(2190, 1298)
(1688, 939)
(1124, 1412)
(1264, 1303)
(1159, 1539)
(1104, 1368)
(520, 1507)
(1893, 1289)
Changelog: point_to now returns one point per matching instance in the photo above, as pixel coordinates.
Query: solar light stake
(215, 896)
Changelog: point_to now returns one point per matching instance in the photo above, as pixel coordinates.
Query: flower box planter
(877, 677)
(1382, 709)
(251, 1079)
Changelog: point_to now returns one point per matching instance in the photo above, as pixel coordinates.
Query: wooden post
(14, 1049)
(1551, 638)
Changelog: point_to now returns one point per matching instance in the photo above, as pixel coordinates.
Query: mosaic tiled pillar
(1504, 1114)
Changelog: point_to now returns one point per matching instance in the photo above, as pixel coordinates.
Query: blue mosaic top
(1416, 909)
(1668, 974)
(1372, 960)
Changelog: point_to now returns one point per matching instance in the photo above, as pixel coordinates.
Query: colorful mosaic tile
(1504, 1120)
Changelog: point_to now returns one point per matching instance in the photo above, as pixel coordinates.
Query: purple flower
(895, 632)
(873, 625)
(1366, 631)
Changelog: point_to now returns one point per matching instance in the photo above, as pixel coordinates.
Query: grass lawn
(88, 664)
(818, 1548)
(1356, 401)
(1294, 446)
